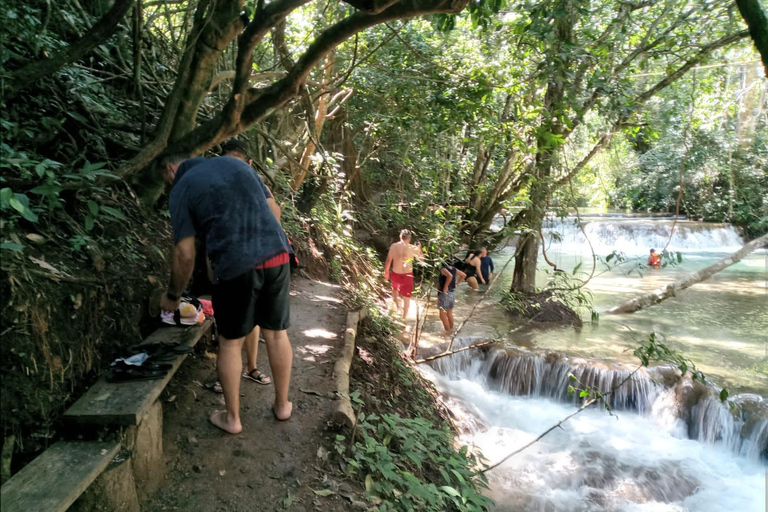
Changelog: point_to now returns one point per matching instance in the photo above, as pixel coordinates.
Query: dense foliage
(363, 117)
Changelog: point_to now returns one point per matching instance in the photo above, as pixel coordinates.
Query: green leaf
(113, 212)
(368, 483)
(5, 196)
(89, 223)
(93, 208)
(16, 204)
(571, 390)
(324, 492)
(10, 246)
(583, 393)
(723, 395)
(450, 491)
(29, 215)
(46, 190)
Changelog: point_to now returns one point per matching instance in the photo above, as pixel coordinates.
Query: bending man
(223, 200)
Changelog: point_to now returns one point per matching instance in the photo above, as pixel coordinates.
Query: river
(669, 445)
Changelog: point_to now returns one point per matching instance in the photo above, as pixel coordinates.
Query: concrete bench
(127, 403)
(55, 479)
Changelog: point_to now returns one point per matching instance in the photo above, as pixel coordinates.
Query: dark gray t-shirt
(224, 201)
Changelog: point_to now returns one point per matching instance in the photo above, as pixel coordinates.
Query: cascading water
(636, 236)
(671, 444)
(669, 449)
(659, 393)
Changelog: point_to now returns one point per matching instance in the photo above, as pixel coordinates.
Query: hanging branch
(445, 354)
(96, 35)
(559, 423)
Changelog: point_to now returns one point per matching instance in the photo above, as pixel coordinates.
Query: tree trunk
(757, 21)
(671, 289)
(527, 253)
(524, 277)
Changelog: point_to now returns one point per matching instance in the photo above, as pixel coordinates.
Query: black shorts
(258, 297)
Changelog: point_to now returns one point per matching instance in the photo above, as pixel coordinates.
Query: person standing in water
(486, 265)
(654, 260)
(400, 261)
(450, 276)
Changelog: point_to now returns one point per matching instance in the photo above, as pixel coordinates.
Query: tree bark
(671, 289)
(757, 22)
(96, 35)
(527, 252)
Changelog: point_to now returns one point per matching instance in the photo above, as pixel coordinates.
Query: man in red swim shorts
(400, 261)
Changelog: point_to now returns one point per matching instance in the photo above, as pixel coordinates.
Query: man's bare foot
(219, 419)
(283, 412)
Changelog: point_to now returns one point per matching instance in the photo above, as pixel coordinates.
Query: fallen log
(344, 414)
(462, 349)
(671, 289)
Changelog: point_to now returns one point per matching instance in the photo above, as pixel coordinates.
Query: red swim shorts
(402, 283)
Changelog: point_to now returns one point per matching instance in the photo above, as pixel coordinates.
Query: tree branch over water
(660, 294)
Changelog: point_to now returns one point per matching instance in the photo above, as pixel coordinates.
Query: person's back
(224, 200)
(441, 280)
(402, 257)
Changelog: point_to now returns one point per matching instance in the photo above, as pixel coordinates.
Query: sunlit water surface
(633, 462)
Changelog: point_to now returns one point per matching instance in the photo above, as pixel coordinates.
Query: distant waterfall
(635, 236)
(682, 407)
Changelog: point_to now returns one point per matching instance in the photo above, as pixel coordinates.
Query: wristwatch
(171, 296)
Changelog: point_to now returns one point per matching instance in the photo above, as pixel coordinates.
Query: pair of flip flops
(124, 371)
(151, 361)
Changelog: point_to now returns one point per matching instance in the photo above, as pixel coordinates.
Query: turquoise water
(720, 324)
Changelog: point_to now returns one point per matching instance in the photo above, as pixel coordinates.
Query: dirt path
(271, 465)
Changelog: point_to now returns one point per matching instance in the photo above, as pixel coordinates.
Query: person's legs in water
(252, 352)
(449, 314)
(230, 366)
(280, 360)
(445, 320)
(472, 282)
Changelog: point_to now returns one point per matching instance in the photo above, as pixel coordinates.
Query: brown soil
(271, 465)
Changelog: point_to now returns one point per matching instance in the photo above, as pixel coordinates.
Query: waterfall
(678, 405)
(635, 236)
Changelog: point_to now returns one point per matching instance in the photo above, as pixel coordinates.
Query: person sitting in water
(474, 270)
(450, 276)
(654, 260)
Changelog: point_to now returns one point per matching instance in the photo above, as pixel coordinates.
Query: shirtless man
(400, 260)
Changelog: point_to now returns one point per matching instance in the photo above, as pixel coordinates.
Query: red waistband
(276, 261)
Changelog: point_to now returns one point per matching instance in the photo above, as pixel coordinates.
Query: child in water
(654, 260)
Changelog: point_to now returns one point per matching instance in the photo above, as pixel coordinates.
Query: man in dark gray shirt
(226, 203)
